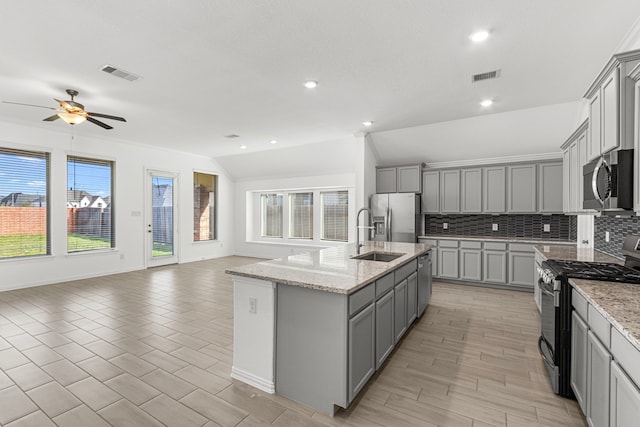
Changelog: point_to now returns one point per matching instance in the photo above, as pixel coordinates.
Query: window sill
(310, 243)
(28, 259)
(92, 252)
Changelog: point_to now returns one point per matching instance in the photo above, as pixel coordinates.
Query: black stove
(609, 272)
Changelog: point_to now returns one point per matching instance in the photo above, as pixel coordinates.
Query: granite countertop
(619, 303)
(498, 239)
(573, 253)
(332, 269)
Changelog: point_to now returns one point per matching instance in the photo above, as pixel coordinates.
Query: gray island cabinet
(323, 321)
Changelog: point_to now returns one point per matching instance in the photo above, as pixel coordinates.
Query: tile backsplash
(561, 227)
(618, 229)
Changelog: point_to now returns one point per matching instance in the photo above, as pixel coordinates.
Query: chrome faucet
(358, 227)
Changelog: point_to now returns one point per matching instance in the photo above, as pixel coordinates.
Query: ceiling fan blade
(64, 104)
(106, 116)
(28, 105)
(51, 118)
(99, 123)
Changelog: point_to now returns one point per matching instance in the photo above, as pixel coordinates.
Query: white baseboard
(257, 382)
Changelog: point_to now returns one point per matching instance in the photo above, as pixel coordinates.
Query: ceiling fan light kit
(73, 112)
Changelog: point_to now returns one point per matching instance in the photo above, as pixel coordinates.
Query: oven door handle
(544, 356)
(545, 289)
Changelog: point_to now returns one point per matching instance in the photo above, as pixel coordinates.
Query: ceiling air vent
(485, 76)
(232, 136)
(120, 73)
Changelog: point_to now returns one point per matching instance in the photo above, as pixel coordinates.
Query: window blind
(24, 203)
(301, 215)
(335, 215)
(89, 204)
(271, 214)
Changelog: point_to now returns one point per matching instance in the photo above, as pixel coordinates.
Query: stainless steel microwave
(608, 182)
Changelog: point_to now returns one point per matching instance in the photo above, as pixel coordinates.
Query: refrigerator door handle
(389, 211)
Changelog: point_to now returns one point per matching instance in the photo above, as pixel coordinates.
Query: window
(271, 214)
(89, 204)
(335, 215)
(24, 203)
(204, 206)
(301, 215)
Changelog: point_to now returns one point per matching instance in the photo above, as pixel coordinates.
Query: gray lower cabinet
(412, 298)
(521, 265)
(579, 330)
(625, 399)
(447, 261)
(495, 266)
(400, 309)
(598, 373)
(362, 339)
(521, 188)
(470, 263)
(385, 330)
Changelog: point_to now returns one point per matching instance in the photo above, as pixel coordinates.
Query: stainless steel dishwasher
(424, 282)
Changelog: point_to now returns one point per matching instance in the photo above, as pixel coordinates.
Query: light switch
(253, 305)
(546, 228)
(445, 225)
(494, 227)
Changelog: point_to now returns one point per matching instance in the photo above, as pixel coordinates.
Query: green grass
(78, 242)
(162, 249)
(28, 245)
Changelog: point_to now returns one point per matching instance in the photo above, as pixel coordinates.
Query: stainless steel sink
(378, 256)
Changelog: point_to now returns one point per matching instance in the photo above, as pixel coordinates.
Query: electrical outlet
(445, 225)
(606, 236)
(546, 228)
(494, 227)
(253, 305)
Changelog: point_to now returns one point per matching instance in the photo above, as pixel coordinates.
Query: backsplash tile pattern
(618, 229)
(562, 227)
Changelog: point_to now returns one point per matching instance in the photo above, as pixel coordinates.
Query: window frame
(215, 205)
(46, 156)
(292, 216)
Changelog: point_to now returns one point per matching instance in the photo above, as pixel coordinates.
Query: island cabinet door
(362, 363)
(412, 298)
(625, 399)
(385, 332)
(400, 308)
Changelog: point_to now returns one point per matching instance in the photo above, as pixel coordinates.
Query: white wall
(131, 160)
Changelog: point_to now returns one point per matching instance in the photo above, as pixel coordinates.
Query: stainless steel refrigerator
(396, 217)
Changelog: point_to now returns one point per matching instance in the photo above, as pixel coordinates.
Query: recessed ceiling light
(273, 141)
(368, 123)
(311, 84)
(479, 36)
(243, 147)
(487, 102)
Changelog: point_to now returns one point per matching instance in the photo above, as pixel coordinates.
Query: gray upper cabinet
(494, 189)
(611, 105)
(386, 180)
(431, 192)
(575, 156)
(549, 189)
(471, 194)
(409, 179)
(521, 188)
(450, 191)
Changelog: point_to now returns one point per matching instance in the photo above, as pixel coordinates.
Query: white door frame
(150, 261)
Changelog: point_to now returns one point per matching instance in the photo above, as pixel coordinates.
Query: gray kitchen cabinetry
(494, 189)
(521, 188)
(412, 298)
(362, 339)
(400, 309)
(495, 262)
(448, 259)
(625, 399)
(521, 265)
(409, 179)
(385, 330)
(401, 179)
(434, 254)
(635, 75)
(431, 192)
(579, 330)
(611, 104)
(450, 191)
(471, 191)
(574, 158)
(470, 260)
(386, 180)
(550, 197)
(598, 373)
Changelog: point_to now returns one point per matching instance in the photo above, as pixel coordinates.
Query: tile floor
(154, 347)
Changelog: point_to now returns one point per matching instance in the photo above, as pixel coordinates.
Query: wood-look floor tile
(53, 399)
(15, 404)
(81, 416)
(173, 413)
(124, 414)
(11, 358)
(252, 401)
(168, 383)
(214, 408)
(35, 419)
(135, 390)
(203, 379)
(94, 393)
(132, 364)
(29, 376)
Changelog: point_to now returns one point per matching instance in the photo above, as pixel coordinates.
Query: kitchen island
(314, 327)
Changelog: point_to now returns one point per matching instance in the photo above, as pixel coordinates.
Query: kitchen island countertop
(332, 269)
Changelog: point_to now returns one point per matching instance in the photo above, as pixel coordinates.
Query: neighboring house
(93, 202)
(24, 200)
(82, 199)
(162, 196)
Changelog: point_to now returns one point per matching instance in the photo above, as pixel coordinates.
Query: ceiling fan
(73, 112)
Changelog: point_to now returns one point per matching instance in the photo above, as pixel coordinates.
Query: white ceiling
(216, 67)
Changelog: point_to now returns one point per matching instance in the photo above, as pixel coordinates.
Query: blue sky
(25, 174)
